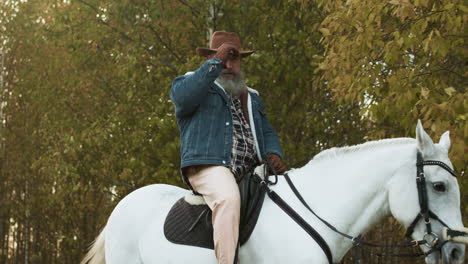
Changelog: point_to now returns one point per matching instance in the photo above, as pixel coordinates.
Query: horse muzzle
(447, 252)
(453, 253)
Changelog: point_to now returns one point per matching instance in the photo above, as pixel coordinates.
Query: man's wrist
(215, 60)
(275, 154)
(215, 64)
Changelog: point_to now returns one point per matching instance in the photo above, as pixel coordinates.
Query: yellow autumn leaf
(425, 93)
(449, 91)
(323, 66)
(325, 31)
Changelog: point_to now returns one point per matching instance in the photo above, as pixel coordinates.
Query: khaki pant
(219, 188)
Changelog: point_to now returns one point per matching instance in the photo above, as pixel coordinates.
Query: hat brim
(207, 52)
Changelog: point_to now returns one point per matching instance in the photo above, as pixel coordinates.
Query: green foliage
(401, 61)
(85, 111)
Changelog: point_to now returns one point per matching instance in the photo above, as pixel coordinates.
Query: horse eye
(439, 186)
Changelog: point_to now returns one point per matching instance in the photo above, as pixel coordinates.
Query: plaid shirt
(244, 155)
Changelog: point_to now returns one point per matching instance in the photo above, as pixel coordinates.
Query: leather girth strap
(299, 220)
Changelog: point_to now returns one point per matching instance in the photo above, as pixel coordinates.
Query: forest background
(85, 115)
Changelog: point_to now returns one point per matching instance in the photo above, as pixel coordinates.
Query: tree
(400, 61)
(88, 118)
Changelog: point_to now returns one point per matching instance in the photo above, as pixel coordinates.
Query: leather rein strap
(293, 214)
(357, 241)
(299, 220)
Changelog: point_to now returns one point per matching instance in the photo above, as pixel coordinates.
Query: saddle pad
(191, 225)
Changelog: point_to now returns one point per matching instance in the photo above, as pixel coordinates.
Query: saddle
(190, 224)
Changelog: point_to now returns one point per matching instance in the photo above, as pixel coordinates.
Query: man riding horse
(224, 135)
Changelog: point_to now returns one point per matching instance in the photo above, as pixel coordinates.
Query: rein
(430, 239)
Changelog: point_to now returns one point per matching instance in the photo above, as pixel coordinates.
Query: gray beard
(235, 86)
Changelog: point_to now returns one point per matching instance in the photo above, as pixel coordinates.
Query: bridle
(430, 239)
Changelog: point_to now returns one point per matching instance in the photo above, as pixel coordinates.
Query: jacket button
(227, 123)
(224, 162)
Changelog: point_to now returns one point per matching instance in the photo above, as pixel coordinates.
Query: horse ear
(445, 140)
(423, 141)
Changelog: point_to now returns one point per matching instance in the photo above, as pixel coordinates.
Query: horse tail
(96, 253)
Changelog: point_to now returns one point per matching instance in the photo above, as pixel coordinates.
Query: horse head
(425, 198)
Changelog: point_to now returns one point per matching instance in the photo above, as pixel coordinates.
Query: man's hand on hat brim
(227, 52)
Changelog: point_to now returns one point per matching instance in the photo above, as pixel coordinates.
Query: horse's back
(134, 233)
(145, 201)
(133, 216)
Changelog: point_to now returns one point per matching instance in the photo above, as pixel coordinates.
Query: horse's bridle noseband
(432, 240)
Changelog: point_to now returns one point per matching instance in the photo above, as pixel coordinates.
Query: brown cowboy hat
(220, 37)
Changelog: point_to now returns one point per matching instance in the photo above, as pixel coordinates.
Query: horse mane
(335, 152)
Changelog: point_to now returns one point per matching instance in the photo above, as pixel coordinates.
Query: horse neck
(351, 191)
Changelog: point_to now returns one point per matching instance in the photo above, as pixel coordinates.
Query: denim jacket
(203, 115)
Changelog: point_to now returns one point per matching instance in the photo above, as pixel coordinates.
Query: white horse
(353, 188)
